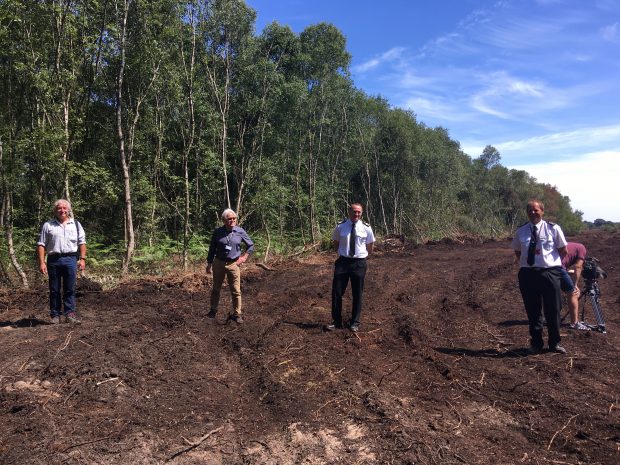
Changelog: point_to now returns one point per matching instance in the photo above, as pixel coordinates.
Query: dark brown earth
(438, 374)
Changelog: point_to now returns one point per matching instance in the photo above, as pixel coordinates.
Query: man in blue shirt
(225, 258)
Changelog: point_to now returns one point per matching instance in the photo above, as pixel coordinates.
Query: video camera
(592, 270)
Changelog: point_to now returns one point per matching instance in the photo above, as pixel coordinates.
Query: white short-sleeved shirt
(58, 238)
(363, 236)
(550, 239)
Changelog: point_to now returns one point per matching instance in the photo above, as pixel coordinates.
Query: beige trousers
(231, 271)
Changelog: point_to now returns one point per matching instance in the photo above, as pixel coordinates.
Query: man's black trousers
(540, 289)
(346, 269)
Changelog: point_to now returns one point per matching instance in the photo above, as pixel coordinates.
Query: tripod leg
(598, 312)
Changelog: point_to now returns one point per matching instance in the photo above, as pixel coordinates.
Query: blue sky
(537, 79)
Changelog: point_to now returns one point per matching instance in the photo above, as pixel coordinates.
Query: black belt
(70, 254)
(228, 260)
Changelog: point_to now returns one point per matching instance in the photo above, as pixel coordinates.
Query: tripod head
(592, 270)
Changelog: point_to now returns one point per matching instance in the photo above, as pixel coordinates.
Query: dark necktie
(352, 241)
(531, 251)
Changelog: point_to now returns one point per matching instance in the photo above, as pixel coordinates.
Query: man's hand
(242, 259)
(208, 270)
(576, 291)
(81, 264)
(43, 268)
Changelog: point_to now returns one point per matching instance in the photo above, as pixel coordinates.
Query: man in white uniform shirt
(540, 246)
(64, 241)
(353, 239)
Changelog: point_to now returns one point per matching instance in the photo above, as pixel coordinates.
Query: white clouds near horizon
(591, 179)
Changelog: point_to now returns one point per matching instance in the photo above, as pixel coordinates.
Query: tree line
(153, 116)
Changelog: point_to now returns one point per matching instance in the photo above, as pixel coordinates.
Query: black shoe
(212, 314)
(355, 327)
(558, 349)
(236, 318)
(332, 327)
(534, 350)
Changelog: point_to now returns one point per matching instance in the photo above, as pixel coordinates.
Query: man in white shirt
(353, 239)
(64, 241)
(539, 247)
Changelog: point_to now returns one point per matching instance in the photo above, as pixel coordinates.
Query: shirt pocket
(71, 234)
(363, 235)
(547, 242)
(525, 242)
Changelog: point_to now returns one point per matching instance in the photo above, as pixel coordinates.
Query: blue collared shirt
(226, 245)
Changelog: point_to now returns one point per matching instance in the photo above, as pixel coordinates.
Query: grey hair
(65, 201)
(227, 212)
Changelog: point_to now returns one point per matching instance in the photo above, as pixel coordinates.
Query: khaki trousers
(231, 271)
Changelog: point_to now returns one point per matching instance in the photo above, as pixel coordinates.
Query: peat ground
(437, 375)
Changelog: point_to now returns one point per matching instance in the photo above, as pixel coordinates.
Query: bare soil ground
(438, 374)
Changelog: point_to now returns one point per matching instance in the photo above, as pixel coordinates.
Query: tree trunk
(130, 246)
(222, 97)
(191, 133)
(8, 231)
(7, 220)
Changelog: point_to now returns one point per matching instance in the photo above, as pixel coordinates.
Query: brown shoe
(73, 319)
(236, 318)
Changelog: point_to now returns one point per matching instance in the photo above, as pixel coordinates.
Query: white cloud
(429, 107)
(568, 141)
(589, 180)
(448, 45)
(408, 80)
(479, 103)
(500, 90)
(389, 56)
(610, 33)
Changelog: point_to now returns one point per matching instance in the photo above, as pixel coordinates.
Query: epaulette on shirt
(521, 225)
(343, 221)
(550, 224)
(366, 224)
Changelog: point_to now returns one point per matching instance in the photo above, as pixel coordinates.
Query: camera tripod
(591, 294)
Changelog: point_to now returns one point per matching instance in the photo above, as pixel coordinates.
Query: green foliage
(603, 225)
(274, 122)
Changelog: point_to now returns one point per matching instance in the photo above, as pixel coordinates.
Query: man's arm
(369, 247)
(212, 250)
(82, 257)
(563, 252)
(578, 269)
(249, 248)
(41, 255)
